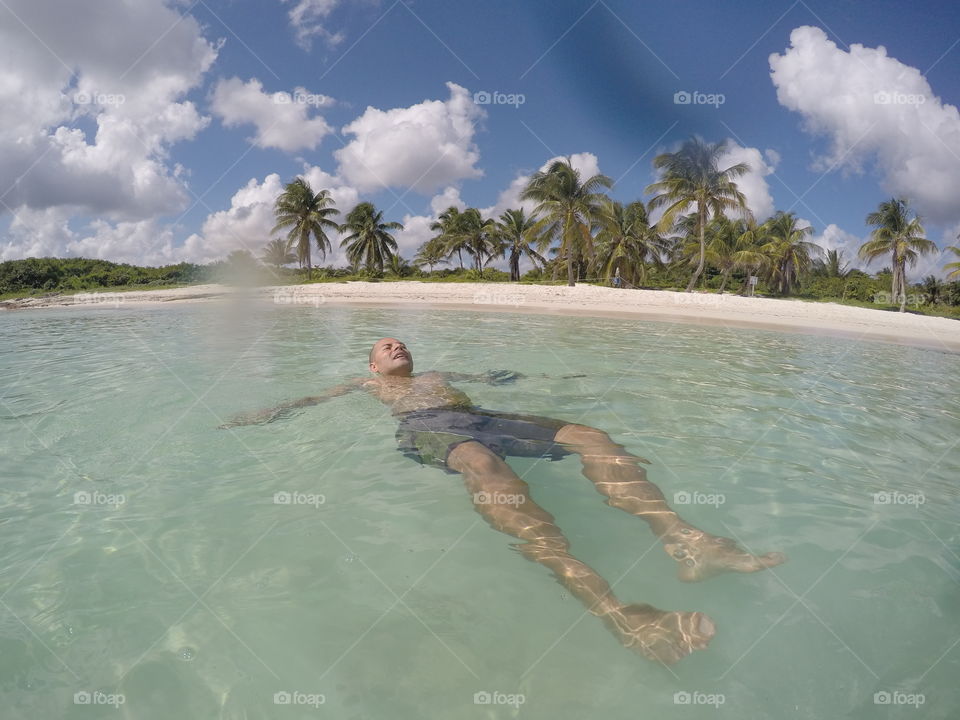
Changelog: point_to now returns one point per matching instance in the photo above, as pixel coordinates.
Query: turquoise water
(180, 589)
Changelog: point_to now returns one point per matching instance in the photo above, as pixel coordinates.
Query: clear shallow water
(198, 596)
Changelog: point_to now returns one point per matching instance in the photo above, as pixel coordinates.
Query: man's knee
(574, 434)
(474, 457)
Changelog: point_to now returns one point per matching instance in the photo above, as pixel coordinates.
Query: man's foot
(701, 555)
(660, 635)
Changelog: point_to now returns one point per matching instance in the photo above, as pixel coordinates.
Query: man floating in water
(439, 425)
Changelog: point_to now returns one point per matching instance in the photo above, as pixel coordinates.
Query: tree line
(591, 236)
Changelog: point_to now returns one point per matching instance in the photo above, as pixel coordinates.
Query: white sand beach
(585, 300)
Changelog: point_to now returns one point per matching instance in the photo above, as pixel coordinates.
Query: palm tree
(305, 214)
(727, 240)
(278, 252)
(750, 255)
(692, 180)
(626, 241)
(900, 236)
(368, 241)
(519, 233)
(789, 253)
(833, 266)
(953, 267)
(399, 266)
(569, 208)
(476, 235)
(431, 253)
(448, 228)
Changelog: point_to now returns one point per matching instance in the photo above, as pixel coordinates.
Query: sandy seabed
(583, 300)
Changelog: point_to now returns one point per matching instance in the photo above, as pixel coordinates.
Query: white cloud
(139, 243)
(585, 163)
(752, 184)
(47, 233)
(247, 223)
(96, 75)
(874, 107)
(308, 19)
(449, 197)
(835, 238)
(37, 233)
(282, 119)
(416, 231)
(425, 146)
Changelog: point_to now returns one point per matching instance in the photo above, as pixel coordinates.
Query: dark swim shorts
(428, 436)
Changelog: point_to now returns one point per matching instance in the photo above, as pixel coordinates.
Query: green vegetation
(575, 230)
(35, 275)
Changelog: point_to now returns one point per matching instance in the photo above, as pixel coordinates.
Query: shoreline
(709, 309)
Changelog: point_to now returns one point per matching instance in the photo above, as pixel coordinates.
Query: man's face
(391, 357)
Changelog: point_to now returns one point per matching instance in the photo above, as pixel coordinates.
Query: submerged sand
(583, 300)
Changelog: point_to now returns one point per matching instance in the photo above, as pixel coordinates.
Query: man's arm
(495, 377)
(282, 410)
(491, 377)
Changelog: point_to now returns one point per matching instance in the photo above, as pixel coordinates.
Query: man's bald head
(389, 356)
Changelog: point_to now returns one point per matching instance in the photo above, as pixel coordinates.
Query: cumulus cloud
(308, 18)
(144, 242)
(247, 223)
(282, 119)
(874, 108)
(98, 77)
(835, 238)
(450, 197)
(585, 163)
(753, 183)
(425, 146)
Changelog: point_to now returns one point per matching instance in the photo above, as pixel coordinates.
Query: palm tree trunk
(903, 286)
(703, 253)
(460, 256)
(514, 266)
(895, 267)
(723, 284)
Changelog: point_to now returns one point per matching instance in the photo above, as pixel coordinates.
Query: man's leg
(618, 475)
(503, 499)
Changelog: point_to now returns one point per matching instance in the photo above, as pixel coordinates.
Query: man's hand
(252, 418)
(502, 377)
(284, 410)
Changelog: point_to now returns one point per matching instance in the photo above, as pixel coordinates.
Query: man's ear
(373, 367)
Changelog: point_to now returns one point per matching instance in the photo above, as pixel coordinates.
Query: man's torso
(418, 392)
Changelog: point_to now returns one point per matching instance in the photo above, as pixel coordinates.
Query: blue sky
(380, 106)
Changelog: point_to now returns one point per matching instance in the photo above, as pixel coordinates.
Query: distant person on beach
(439, 425)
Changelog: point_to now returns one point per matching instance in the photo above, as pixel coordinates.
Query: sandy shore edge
(583, 300)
